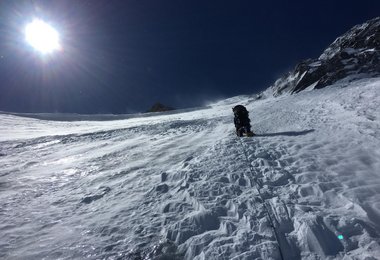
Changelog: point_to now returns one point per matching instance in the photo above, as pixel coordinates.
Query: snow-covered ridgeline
(183, 186)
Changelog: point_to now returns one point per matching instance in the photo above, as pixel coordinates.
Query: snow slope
(183, 186)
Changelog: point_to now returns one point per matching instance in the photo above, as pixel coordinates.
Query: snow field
(183, 186)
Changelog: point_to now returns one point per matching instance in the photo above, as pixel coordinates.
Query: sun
(42, 37)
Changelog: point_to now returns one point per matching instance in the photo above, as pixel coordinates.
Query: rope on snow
(258, 186)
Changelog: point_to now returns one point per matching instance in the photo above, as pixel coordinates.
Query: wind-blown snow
(183, 186)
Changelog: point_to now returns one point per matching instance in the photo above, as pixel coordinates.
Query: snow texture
(183, 186)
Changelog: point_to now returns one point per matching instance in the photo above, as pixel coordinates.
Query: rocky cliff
(355, 53)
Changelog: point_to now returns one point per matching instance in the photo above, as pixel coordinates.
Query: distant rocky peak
(362, 36)
(159, 107)
(355, 53)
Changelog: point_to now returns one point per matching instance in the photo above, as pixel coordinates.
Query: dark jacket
(241, 119)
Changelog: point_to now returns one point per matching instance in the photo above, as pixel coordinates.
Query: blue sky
(123, 56)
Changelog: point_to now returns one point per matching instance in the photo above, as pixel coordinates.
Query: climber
(242, 122)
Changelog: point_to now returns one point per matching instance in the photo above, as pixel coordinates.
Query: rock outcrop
(158, 107)
(355, 53)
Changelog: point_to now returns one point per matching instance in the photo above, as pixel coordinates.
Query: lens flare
(42, 37)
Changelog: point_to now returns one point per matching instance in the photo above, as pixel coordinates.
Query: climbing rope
(258, 187)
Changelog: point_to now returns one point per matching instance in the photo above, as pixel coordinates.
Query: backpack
(240, 110)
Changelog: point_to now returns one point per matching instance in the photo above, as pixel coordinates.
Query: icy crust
(184, 186)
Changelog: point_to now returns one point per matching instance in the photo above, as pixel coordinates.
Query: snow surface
(183, 186)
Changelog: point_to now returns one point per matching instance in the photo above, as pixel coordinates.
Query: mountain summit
(356, 53)
(158, 107)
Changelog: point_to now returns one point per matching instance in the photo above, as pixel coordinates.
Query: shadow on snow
(290, 133)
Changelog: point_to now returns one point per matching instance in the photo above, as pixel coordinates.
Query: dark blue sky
(123, 56)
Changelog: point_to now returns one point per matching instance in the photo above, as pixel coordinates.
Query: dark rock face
(355, 53)
(158, 107)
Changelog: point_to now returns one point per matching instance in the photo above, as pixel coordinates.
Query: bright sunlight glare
(42, 37)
